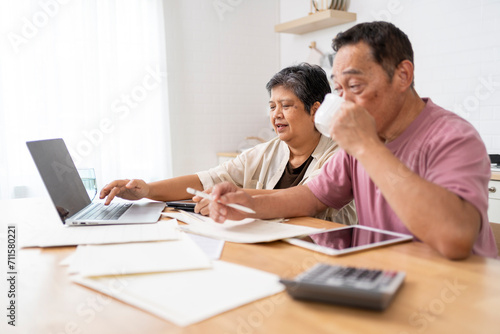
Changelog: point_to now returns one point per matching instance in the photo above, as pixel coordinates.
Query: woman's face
(290, 119)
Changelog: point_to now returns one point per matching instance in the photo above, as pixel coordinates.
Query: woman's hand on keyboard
(127, 189)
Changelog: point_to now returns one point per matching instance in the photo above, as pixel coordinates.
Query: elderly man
(410, 165)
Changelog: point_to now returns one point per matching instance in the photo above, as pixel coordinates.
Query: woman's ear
(314, 108)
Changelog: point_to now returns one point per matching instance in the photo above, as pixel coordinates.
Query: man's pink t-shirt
(439, 146)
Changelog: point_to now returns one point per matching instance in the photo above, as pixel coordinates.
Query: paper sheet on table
(210, 246)
(139, 257)
(244, 231)
(187, 297)
(60, 235)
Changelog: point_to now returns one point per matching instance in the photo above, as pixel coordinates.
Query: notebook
(72, 202)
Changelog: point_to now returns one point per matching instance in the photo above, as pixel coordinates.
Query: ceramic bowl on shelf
(320, 5)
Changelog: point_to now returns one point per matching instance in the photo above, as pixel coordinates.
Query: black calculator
(360, 287)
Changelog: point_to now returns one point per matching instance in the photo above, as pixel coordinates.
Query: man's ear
(314, 108)
(404, 74)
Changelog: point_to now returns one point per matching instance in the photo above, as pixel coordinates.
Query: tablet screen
(350, 237)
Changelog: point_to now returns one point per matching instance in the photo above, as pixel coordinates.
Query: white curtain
(92, 72)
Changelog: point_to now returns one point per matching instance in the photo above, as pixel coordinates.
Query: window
(92, 72)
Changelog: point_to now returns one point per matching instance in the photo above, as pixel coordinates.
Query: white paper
(187, 297)
(67, 260)
(60, 235)
(244, 231)
(140, 257)
(210, 246)
(29, 214)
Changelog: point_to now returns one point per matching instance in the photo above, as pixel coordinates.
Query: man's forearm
(297, 201)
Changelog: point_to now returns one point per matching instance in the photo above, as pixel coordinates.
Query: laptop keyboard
(99, 211)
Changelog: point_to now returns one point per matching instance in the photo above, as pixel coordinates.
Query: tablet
(348, 239)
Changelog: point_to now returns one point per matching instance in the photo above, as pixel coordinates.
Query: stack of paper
(244, 231)
(188, 297)
(60, 235)
(172, 279)
(142, 257)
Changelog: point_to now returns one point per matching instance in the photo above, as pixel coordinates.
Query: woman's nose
(277, 112)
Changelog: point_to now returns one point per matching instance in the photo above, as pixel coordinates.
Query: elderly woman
(294, 157)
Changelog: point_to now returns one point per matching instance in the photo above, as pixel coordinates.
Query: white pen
(209, 197)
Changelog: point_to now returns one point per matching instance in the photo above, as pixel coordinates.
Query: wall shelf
(317, 21)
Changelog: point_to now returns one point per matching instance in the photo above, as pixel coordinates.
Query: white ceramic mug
(325, 113)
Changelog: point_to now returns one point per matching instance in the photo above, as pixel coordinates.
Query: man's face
(359, 79)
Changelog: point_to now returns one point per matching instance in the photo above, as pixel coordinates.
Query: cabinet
(494, 201)
(494, 197)
(494, 206)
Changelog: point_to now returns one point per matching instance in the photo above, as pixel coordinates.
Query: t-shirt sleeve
(458, 161)
(310, 177)
(333, 186)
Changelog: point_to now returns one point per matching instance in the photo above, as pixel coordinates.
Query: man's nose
(348, 97)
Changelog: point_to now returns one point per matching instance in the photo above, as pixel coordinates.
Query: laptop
(70, 197)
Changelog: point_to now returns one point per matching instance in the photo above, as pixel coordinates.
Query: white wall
(221, 54)
(456, 45)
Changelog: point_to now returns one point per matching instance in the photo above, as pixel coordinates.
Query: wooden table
(438, 296)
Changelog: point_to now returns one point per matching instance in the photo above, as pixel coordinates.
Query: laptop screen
(59, 175)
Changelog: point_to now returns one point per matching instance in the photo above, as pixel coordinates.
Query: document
(60, 235)
(139, 257)
(210, 246)
(187, 297)
(244, 231)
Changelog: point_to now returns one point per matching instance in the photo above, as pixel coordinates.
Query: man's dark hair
(308, 82)
(389, 45)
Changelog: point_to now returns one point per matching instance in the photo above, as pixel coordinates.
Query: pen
(209, 197)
